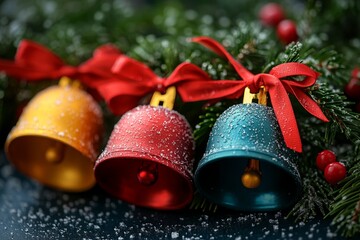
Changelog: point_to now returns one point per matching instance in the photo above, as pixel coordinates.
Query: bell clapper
(251, 177)
(148, 173)
(55, 153)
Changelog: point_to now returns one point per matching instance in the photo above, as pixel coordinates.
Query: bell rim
(39, 133)
(185, 174)
(109, 156)
(12, 137)
(211, 158)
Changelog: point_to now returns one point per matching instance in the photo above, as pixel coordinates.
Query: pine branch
(317, 194)
(294, 52)
(199, 202)
(329, 63)
(160, 54)
(250, 44)
(342, 119)
(316, 197)
(345, 210)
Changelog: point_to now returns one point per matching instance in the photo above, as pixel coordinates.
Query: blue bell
(246, 165)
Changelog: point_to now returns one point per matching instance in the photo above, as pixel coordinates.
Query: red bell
(148, 159)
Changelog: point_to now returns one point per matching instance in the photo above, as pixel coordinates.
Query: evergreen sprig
(316, 195)
(345, 209)
(343, 119)
(201, 203)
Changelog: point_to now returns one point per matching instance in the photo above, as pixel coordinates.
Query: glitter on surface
(241, 133)
(30, 211)
(149, 135)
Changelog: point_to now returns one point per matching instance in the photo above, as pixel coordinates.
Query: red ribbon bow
(277, 86)
(134, 80)
(35, 62)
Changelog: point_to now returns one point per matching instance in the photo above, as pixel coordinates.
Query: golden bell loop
(251, 178)
(166, 100)
(248, 97)
(67, 82)
(57, 137)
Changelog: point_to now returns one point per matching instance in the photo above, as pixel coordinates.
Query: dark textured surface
(30, 211)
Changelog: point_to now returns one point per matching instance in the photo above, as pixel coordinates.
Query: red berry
(271, 14)
(334, 173)
(324, 158)
(352, 89)
(286, 31)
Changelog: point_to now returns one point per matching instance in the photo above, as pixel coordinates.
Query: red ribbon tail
(201, 90)
(121, 96)
(296, 87)
(129, 69)
(37, 57)
(285, 116)
(221, 51)
(35, 62)
(11, 69)
(27, 73)
(308, 104)
(97, 69)
(212, 45)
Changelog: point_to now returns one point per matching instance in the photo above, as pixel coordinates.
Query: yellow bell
(57, 137)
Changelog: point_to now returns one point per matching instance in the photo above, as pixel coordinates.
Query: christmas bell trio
(148, 161)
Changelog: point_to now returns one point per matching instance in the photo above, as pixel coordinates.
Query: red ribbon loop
(34, 62)
(134, 80)
(278, 87)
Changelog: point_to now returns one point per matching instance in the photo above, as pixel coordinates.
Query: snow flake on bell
(149, 157)
(57, 137)
(246, 165)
